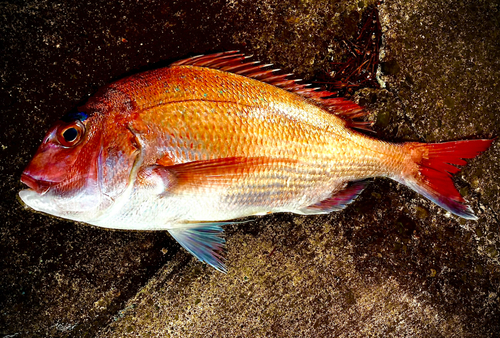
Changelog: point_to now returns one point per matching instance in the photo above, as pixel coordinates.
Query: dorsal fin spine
(236, 62)
(225, 62)
(232, 69)
(249, 71)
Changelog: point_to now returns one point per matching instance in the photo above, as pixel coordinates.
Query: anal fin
(337, 201)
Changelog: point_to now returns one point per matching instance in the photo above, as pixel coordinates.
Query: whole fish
(216, 138)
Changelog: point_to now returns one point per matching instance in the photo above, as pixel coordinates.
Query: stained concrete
(391, 264)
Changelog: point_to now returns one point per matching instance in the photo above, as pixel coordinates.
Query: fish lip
(39, 186)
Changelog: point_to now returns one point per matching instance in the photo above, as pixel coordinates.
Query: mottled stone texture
(391, 265)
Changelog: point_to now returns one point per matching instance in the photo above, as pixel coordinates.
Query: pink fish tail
(432, 167)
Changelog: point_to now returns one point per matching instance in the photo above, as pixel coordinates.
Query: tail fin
(436, 164)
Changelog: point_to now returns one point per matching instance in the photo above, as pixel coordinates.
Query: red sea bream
(215, 138)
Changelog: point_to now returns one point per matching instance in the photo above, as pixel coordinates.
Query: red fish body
(215, 138)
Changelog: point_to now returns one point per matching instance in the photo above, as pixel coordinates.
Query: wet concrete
(391, 264)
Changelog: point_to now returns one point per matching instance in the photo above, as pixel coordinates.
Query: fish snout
(37, 185)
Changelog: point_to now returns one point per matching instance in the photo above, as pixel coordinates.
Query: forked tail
(435, 165)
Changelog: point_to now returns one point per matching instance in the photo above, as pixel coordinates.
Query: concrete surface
(391, 265)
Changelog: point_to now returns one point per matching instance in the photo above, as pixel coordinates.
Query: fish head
(62, 176)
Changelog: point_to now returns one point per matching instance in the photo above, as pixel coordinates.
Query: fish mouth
(39, 186)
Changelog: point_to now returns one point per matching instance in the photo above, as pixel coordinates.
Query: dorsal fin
(237, 63)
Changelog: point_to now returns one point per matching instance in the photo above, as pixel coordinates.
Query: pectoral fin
(217, 172)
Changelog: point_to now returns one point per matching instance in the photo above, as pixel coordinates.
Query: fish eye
(71, 134)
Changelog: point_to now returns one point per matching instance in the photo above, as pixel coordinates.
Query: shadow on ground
(392, 264)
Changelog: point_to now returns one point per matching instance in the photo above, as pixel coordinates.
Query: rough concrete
(391, 264)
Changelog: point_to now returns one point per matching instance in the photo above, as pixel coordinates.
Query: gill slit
(123, 198)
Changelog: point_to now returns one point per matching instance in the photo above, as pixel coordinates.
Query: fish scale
(253, 138)
(211, 139)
